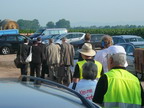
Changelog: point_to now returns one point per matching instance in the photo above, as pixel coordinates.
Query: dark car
(40, 93)
(129, 48)
(95, 41)
(127, 38)
(10, 43)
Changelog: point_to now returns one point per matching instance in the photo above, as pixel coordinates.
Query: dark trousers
(35, 67)
(24, 70)
(65, 75)
(44, 70)
(53, 70)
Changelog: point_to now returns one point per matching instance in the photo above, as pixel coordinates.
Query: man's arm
(76, 74)
(101, 89)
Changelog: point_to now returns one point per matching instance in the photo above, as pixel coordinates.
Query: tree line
(30, 26)
(63, 23)
(34, 24)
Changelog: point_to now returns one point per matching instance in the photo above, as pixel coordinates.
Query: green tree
(63, 23)
(50, 24)
(28, 24)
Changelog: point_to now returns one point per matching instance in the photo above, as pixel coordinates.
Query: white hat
(87, 50)
(115, 49)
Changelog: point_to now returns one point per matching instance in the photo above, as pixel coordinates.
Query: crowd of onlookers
(100, 76)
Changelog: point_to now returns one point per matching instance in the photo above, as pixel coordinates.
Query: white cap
(115, 49)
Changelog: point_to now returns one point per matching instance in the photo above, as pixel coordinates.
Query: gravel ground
(9, 72)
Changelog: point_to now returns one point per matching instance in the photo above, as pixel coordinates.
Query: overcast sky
(78, 12)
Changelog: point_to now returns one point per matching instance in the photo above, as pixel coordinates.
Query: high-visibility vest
(123, 90)
(99, 67)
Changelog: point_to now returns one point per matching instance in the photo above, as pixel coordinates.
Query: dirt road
(8, 71)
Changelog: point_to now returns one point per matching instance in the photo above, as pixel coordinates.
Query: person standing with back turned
(24, 51)
(67, 55)
(118, 88)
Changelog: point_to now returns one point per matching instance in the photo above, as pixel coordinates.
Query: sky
(78, 12)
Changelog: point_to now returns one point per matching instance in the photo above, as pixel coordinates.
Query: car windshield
(39, 31)
(96, 37)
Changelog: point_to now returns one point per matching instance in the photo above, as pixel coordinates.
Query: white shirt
(101, 57)
(86, 88)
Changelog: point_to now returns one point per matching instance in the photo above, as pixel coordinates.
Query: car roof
(132, 43)
(11, 35)
(30, 95)
(127, 36)
(27, 96)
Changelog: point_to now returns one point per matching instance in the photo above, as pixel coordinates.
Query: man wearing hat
(87, 54)
(118, 88)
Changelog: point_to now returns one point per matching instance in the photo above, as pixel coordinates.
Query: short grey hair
(119, 59)
(89, 71)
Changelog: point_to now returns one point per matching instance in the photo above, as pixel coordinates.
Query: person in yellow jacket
(87, 54)
(118, 88)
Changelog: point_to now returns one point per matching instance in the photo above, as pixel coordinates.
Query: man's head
(106, 41)
(64, 39)
(51, 41)
(39, 40)
(26, 41)
(116, 57)
(87, 37)
(86, 51)
(89, 71)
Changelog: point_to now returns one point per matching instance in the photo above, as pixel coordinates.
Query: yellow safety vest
(123, 91)
(99, 67)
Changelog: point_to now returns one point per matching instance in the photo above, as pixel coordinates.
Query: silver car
(129, 48)
(40, 93)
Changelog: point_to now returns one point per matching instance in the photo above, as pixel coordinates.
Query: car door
(12, 41)
(130, 57)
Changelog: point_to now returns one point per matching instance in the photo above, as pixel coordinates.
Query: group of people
(51, 59)
(100, 76)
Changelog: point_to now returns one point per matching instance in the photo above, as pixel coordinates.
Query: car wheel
(5, 50)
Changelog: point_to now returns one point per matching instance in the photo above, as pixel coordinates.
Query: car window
(69, 36)
(54, 32)
(140, 39)
(133, 39)
(129, 49)
(121, 40)
(78, 35)
(115, 40)
(11, 38)
(96, 37)
(2, 38)
(21, 38)
(127, 40)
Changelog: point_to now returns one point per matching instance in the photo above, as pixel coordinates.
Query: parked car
(95, 41)
(47, 33)
(126, 38)
(71, 37)
(9, 43)
(46, 94)
(130, 47)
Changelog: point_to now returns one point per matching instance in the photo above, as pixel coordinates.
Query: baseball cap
(115, 49)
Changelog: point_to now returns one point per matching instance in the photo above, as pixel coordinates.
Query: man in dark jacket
(37, 57)
(24, 51)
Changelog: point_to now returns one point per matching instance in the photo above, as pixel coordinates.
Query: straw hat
(87, 50)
